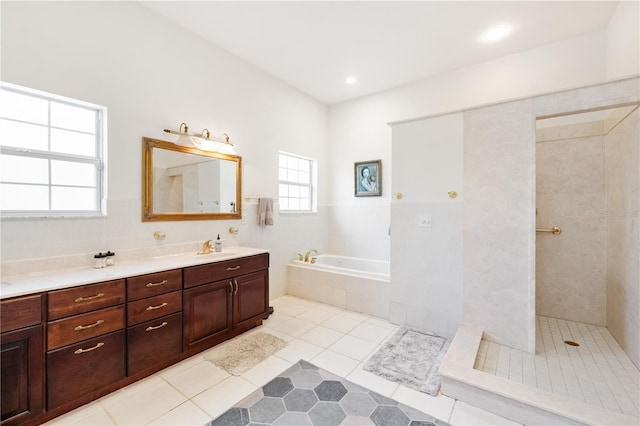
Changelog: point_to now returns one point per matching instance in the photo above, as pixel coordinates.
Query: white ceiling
(314, 46)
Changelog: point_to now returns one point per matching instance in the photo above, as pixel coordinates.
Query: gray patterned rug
(411, 359)
(307, 395)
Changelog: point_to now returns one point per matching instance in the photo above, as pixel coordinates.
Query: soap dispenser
(218, 244)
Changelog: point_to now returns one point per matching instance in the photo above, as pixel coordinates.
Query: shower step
(515, 401)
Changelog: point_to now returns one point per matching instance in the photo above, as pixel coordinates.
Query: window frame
(98, 160)
(312, 185)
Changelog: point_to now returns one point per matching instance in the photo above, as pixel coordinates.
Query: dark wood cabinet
(153, 344)
(154, 321)
(76, 328)
(86, 349)
(218, 310)
(22, 359)
(208, 314)
(251, 299)
(64, 348)
(76, 370)
(77, 300)
(22, 379)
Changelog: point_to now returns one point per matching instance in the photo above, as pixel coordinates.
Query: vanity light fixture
(184, 139)
(202, 140)
(212, 143)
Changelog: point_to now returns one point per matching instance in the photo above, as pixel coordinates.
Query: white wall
(623, 40)
(358, 129)
(151, 75)
(426, 225)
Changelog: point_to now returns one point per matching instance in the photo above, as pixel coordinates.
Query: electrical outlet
(244, 218)
(424, 220)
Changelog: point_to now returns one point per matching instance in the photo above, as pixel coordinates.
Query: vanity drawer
(153, 284)
(202, 274)
(76, 370)
(153, 307)
(153, 342)
(20, 312)
(85, 326)
(77, 300)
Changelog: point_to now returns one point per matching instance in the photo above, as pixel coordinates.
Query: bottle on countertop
(218, 244)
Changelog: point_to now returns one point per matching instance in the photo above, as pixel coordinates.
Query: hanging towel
(265, 211)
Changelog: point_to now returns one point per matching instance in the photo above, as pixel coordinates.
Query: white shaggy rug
(412, 359)
(244, 352)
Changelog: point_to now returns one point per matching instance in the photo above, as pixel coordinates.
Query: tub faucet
(310, 252)
(206, 247)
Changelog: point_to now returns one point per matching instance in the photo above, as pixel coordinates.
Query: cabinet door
(22, 380)
(207, 315)
(152, 343)
(76, 370)
(251, 294)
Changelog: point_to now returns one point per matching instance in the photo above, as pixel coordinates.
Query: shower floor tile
(597, 372)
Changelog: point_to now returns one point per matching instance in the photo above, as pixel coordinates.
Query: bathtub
(360, 285)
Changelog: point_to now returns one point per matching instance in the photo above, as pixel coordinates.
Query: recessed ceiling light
(495, 33)
(351, 80)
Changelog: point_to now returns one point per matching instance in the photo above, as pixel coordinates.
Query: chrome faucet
(310, 252)
(206, 247)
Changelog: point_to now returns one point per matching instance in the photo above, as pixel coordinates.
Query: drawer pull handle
(150, 328)
(84, 299)
(84, 327)
(81, 351)
(231, 286)
(233, 268)
(151, 308)
(163, 282)
(236, 290)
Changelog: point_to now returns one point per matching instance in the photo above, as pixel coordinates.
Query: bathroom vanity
(71, 337)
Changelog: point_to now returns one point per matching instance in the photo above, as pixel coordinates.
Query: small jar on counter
(110, 258)
(100, 260)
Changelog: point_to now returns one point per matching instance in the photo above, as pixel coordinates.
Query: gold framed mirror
(188, 183)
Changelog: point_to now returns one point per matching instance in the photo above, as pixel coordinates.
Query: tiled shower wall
(570, 194)
(623, 235)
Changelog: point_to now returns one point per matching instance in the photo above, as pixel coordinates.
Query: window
(296, 192)
(51, 155)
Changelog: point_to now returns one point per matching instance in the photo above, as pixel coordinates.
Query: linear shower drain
(570, 343)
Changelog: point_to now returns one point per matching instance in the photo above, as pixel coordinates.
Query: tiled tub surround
(339, 341)
(363, 287)
(510, 392)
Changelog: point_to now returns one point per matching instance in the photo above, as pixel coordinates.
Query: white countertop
(20, 285)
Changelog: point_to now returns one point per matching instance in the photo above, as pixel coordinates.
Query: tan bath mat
(244, 352)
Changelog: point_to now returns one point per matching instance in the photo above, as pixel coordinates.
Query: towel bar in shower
(555, 230)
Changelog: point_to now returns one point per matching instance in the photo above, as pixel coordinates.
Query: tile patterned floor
(194, 391)
(597, 372)
(307, 395)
